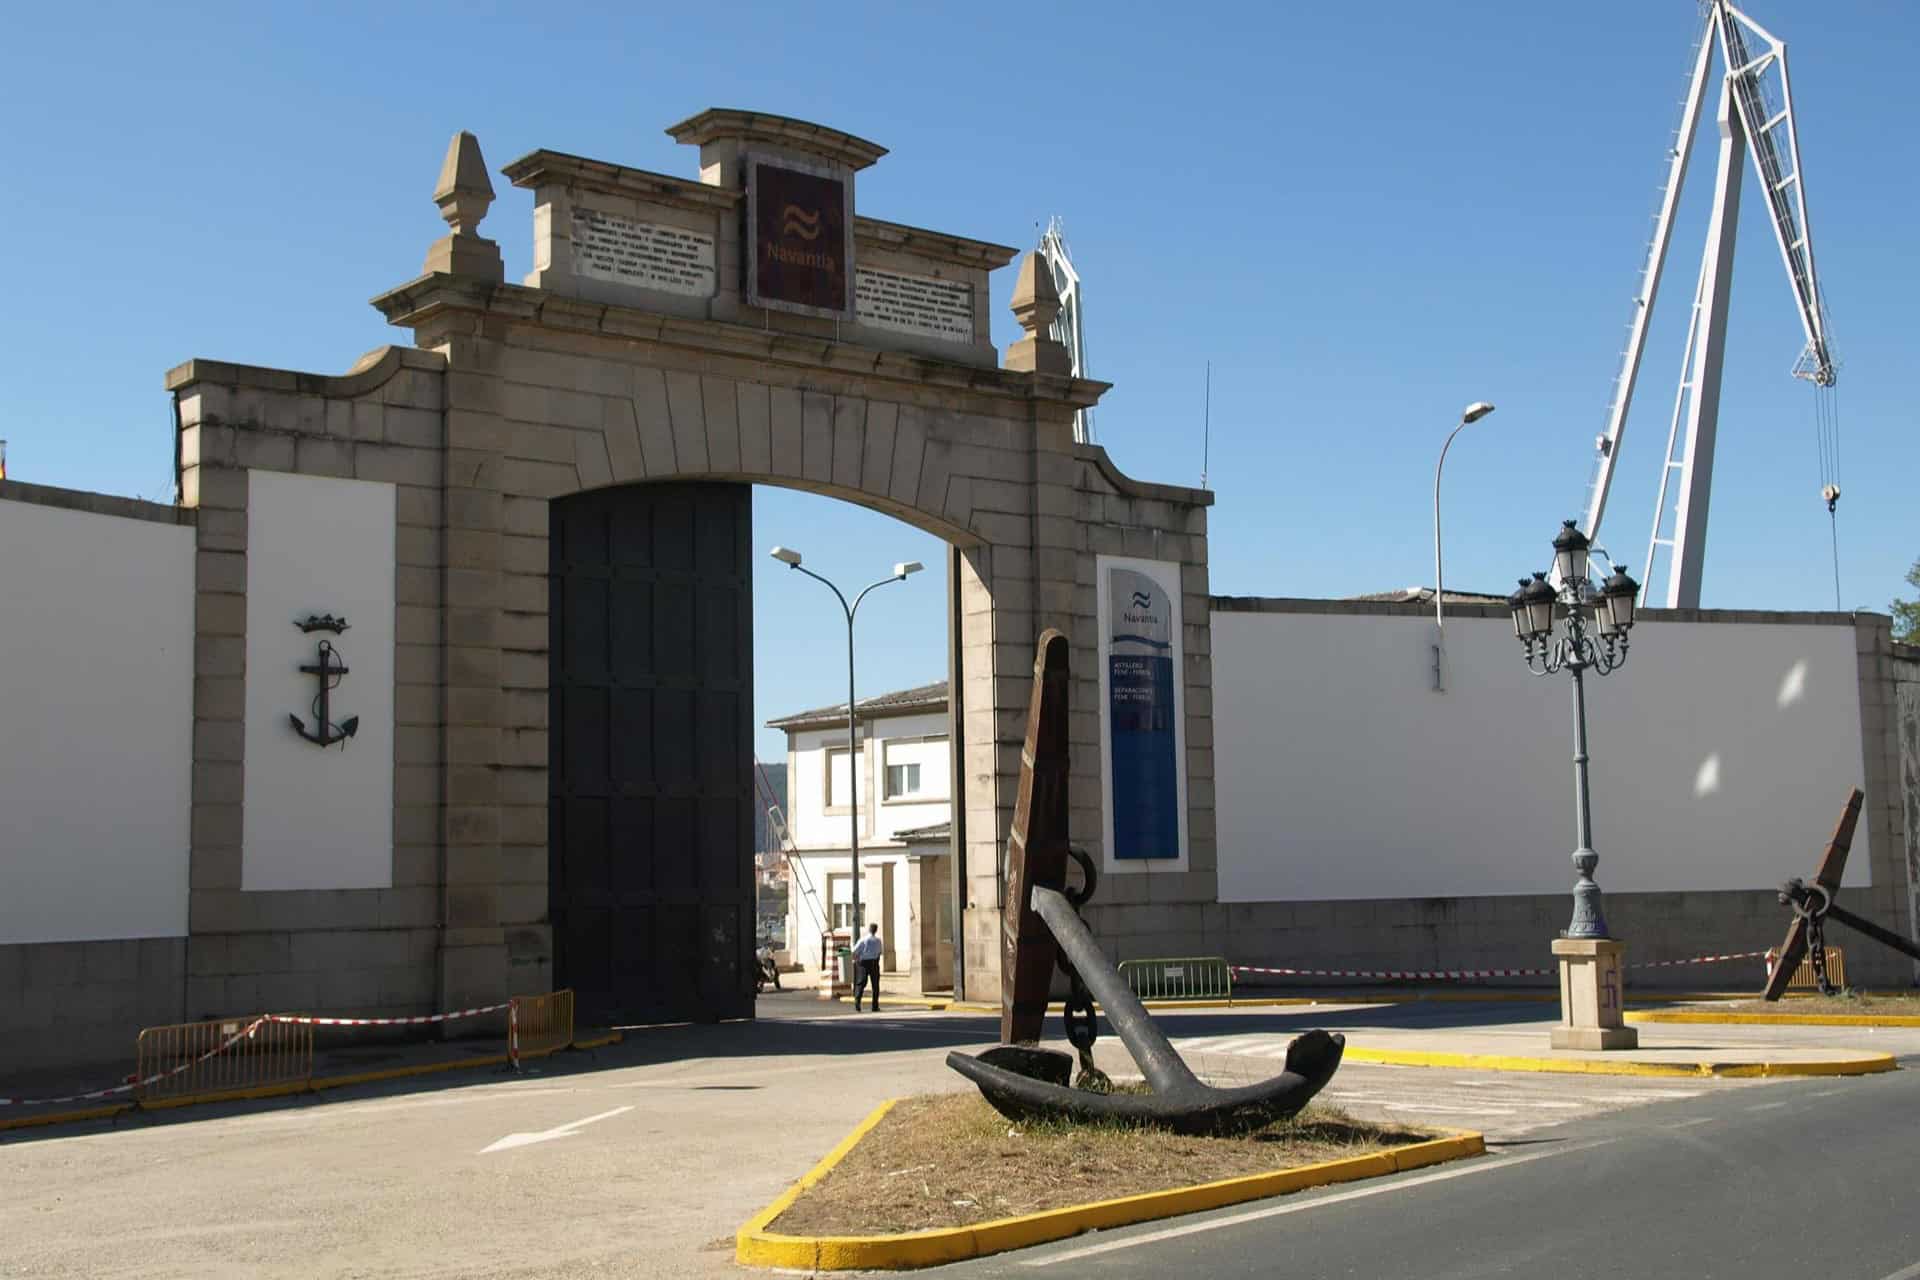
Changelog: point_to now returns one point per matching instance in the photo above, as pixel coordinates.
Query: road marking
(513, 1140)
(1173, 1233)
(1766, 1106)
(1688, 1124)
(1905, 1273)
(1443, 1110)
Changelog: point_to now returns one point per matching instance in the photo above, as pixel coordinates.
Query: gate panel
(650, 826)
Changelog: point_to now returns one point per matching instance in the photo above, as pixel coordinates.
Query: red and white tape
(1438, 975)
(382, 1022)
(131, 1085)
(1428, 974)
(119, 1089)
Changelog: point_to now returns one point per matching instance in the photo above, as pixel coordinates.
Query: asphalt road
(1796, 1180)
(643, 1159)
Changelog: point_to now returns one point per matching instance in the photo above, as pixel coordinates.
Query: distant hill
(776, 778)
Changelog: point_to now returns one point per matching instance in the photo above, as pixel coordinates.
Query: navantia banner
(1140, 644)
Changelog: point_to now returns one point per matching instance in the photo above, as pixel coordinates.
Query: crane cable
(1826, 430)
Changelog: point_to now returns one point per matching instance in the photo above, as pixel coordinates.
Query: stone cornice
(540, 168)
(932, 244)
(368, 373)
(421, 300)
(1132, 488)
(717, 123)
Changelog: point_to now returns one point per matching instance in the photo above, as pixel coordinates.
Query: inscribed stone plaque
(647, 255)
(914, 304)
(800, 238)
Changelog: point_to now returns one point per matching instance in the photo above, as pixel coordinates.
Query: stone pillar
(1592, 995)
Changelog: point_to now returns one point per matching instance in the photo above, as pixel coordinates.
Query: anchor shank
(1885, 937)
(1158, 1061)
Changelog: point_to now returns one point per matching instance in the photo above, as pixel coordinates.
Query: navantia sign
(800, 238)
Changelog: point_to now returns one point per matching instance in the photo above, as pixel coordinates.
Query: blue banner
(1140, 715)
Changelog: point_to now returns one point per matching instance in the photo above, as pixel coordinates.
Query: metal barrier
(224, 1056)
(1803, 979)
(1182, 978)
(539, 1025)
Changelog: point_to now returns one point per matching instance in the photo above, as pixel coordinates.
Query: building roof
(925, 835)
(1424, 595)
(925, 697)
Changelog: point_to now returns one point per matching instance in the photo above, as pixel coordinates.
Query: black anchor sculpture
(328, 672)
(1024, 1082)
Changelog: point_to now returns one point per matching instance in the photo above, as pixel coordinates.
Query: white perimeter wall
(96, 696)
(318, 818)
(1721, 754)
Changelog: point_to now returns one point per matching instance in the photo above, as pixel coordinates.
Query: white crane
(1756, 117)
(1068, 328)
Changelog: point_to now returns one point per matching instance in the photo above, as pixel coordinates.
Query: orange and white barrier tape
(382, 1022)
(155, 1078)
(1468, 975)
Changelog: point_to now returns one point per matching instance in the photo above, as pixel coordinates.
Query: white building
(900, 784)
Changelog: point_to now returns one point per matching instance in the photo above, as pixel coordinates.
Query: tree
(1906, 613)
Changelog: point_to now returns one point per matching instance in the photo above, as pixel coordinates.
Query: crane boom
(1756, 116)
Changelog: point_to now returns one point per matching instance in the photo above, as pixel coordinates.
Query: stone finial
(465, 191)
(1036, 305)
(463, 194)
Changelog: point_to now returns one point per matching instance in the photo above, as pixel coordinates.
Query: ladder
(783, 836)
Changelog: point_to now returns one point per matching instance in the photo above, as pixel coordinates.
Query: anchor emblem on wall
(328, 672)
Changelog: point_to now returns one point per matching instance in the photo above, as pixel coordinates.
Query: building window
(903, 780)
(839, 785)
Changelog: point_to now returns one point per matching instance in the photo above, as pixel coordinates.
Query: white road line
(1766, 1106)
(1172, 1233)
(1688, 1124)
(1440, 1110)
(513, 1140)
(1904, 1273)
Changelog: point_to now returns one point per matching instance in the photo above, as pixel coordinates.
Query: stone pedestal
(1592, 996)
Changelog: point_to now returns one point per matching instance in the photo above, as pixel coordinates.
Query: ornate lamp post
(1597, 620)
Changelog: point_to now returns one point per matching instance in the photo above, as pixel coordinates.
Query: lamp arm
(800, 568)
(863, 593)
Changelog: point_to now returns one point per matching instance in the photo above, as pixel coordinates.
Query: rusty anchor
(1024, 1082)
(1813, 905)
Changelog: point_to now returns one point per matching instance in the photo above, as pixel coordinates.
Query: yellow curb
(1779, 1019)
(64, 1117)
(1868, 1064)
(755, 1245)
(599, 1042)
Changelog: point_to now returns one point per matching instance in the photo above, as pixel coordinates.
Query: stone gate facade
(642, 347)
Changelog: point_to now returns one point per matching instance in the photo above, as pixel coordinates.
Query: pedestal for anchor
(1592, 995)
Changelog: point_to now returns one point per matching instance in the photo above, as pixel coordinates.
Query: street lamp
(1472, 413)
(791, 559)
(1609, 607)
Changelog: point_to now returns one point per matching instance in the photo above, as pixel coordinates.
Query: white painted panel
(318, 818)
(96, 691)
(1721, 754)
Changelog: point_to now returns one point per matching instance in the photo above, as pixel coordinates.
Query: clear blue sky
(1364, 215)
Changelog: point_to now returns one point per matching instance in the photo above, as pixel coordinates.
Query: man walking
(866, 965)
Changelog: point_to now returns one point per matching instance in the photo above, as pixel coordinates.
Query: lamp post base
(1592, 995)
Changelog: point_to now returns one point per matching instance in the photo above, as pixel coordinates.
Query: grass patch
(950, 1160)
(1848, 1001)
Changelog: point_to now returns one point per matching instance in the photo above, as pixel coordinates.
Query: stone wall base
(84, 1003)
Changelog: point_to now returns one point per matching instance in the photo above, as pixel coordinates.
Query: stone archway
(515, 396)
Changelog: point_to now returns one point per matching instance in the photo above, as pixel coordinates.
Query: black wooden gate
(649, 813)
